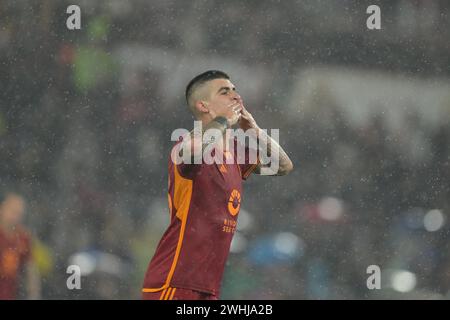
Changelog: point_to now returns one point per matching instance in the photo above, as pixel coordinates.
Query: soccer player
(204, 199)
(15, 250)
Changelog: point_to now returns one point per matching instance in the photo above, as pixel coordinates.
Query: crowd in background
(87, 145)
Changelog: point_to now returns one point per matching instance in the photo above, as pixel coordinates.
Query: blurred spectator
(15, 250)
(83, 127)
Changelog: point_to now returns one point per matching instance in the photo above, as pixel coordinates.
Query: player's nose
(237, 97)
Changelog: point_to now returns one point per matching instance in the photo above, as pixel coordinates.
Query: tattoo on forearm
(284, 161)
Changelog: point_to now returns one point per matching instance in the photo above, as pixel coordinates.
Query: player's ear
(202, 106)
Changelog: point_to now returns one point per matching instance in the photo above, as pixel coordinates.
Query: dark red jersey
(15, 250)
(204, 202)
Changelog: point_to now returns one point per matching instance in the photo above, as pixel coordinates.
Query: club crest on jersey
(234, 203)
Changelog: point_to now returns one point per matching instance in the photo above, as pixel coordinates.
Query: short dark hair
(201, 79)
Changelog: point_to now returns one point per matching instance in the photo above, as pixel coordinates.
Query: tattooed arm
(269, 146)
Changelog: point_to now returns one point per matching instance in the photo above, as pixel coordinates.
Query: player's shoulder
(176, 153)
(178, 143)
(175, 149)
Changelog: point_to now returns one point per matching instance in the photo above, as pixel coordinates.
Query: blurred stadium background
(86, 117)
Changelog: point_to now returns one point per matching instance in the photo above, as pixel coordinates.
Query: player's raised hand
(236, 114)
(246, 120)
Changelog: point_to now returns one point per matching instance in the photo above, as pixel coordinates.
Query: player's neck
(206, 120)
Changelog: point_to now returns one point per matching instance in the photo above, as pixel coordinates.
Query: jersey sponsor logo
(234, 203)
(229, 225)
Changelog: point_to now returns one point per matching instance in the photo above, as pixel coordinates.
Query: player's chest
(220, 178)
(221, 197)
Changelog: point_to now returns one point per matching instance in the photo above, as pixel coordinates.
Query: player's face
(12, 210)
(222, 92)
